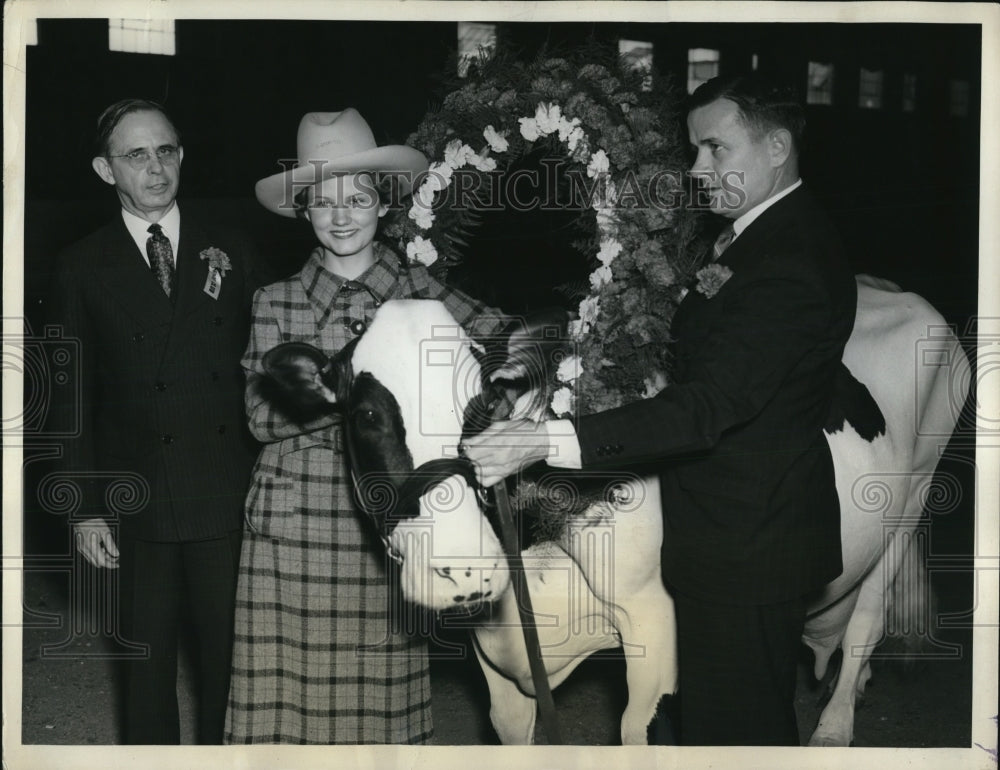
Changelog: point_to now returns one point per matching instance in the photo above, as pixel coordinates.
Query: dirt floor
(70, 686)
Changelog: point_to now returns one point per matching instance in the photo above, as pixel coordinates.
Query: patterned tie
(161, 258)
(722, 242)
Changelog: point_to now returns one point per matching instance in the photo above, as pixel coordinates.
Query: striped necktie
(722, 242)
(161, 258)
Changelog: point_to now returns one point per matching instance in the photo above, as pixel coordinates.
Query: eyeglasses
(167, 155)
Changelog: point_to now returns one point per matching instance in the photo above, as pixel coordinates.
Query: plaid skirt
(321, 654)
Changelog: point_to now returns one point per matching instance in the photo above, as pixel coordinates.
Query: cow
(407, 387)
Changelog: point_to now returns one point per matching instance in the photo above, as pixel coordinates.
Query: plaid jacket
(320, 655)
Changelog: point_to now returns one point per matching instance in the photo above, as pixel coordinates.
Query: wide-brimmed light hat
(331, 143)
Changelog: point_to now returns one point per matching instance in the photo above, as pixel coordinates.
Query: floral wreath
(617, 128)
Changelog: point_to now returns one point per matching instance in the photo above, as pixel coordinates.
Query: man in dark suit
(751, 515)
(160, 305)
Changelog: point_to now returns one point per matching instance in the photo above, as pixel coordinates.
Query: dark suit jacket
(161, 383)
(750, 505)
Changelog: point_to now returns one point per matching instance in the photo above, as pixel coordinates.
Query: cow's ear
(302, 377)
(535, 344)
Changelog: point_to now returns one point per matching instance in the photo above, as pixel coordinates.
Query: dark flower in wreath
(506, 100)
(556, 66)
(550, 88)
(594, 72)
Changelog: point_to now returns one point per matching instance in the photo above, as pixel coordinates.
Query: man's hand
(94, 540)
(505, 448)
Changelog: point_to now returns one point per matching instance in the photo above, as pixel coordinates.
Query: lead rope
(508, 533)
(543, 693)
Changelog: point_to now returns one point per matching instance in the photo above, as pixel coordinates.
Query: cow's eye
(366, 417)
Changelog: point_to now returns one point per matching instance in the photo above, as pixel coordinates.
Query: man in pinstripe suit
(160, 305)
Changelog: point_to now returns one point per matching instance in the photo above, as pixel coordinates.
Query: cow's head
(410, 388)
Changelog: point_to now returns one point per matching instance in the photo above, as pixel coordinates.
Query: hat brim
(277, 192)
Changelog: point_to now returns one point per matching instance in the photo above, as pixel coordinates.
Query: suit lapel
(129, 279)
(751, 245)
(746, 250)
(192, 271)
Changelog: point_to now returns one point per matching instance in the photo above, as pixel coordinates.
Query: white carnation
(562, 402)
(482, 161)
(569, 369)
(421, 250)
(497, 142)
(424, 197)
(610, 249)
(438, 176)
(589, 308)
(600, 277)
(599, 164)
(457, 154)
(574, 138)
(567, 128)
(422, 215)
(605, 195)
(547, 117)
(605, 219)
(529, 128)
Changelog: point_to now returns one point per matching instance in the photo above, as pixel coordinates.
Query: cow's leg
(649, 642)
(511, 711)
(864, 630)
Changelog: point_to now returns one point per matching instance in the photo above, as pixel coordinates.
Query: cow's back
(903, 351)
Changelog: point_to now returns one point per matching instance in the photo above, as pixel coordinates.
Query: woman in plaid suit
(319, 654)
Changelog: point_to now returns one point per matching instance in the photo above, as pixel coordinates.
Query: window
(909, 93)
(819, 89)
(639, 56)
(475, 40)
(870, 89)
(703, 65)
(142, 36)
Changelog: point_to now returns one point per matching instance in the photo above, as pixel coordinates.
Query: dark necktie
(722, 242)
(161, 258)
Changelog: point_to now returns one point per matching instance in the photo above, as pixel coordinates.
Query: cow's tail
(911, 607)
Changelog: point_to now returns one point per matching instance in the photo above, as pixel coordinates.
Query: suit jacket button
(166, 438)
(358, 327)
(222, 429)
(160, 386)
(218, 320)
(138, 337)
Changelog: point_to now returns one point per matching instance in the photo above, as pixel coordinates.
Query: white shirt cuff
(564, 446)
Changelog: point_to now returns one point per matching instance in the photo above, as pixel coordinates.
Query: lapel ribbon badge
(218, 266)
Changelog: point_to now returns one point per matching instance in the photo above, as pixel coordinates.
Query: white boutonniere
(711, 279)
(218, 266)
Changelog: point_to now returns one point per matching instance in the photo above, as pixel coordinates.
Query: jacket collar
(324, 287)
(772, 220)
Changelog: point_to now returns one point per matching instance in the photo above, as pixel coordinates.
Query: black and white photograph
(565, 384)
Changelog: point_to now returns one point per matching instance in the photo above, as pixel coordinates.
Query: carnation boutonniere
(218, 266)
(711, 279)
